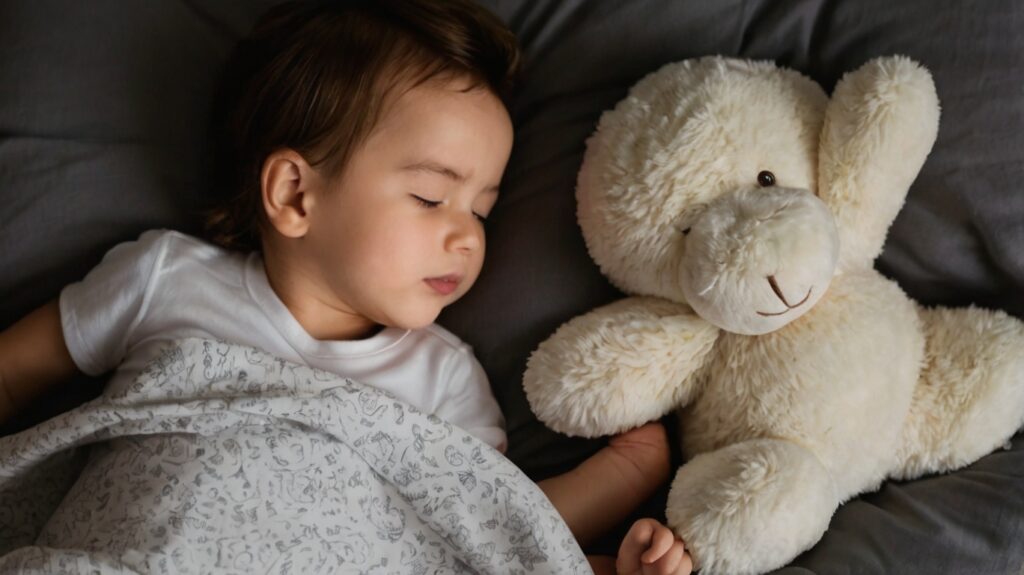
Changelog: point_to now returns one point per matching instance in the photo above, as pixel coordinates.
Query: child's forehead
(442, 130)
(417, 93)
(439, 111)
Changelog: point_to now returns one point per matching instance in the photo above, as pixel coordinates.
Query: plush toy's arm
(879, 127)
(618, 366)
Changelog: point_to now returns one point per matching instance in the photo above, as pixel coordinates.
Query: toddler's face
(400, 234)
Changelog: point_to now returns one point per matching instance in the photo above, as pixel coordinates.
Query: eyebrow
(441, 169)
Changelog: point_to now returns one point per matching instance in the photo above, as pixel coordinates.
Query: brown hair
(313, 77)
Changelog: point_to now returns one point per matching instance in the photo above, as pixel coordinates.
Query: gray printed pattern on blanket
(223, 458)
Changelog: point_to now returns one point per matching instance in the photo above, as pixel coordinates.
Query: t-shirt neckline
(284, 322)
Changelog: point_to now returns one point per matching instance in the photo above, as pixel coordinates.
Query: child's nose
(465, 234)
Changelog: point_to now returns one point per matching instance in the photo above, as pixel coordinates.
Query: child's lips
(444, 285)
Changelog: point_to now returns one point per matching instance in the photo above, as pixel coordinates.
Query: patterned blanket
(220, 458)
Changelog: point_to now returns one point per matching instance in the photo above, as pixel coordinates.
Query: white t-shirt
(169, 285)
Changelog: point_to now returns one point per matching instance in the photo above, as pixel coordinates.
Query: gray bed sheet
(103, 107)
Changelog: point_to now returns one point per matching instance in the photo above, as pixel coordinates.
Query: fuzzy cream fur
(803, 377)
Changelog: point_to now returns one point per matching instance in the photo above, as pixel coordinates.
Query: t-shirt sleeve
(100, 314)
(469, 402)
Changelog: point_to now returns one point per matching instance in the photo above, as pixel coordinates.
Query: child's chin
(418, 321)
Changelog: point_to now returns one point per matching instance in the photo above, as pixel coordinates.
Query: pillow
(103, 113)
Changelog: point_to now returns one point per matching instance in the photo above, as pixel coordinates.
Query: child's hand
(651, 548)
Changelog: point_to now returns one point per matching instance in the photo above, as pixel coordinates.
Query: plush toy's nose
(758, 258)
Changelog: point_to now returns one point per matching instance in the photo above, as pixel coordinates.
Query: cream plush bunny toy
(742, 209)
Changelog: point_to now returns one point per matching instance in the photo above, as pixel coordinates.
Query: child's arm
(33, 356)
(603, 490)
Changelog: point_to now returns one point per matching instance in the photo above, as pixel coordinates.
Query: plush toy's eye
(686, 232)
(766, 179)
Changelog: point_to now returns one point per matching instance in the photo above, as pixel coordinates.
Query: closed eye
(432, 204)
(425, 202)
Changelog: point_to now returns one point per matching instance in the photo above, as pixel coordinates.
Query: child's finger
(685, 564)
(661, 541)
(672, 559)
(633, 544)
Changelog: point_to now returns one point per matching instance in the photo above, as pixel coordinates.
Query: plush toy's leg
(970, 397)
(752, 506)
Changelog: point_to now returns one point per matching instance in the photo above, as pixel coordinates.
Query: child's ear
(286, 183)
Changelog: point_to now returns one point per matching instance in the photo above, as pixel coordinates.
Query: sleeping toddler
(361, 146)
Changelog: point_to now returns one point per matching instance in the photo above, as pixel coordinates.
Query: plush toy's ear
(879, 127)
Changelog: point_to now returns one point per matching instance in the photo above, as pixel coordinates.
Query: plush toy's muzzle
(756, 259)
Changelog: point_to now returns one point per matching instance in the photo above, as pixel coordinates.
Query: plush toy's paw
(752, 506)
(617, 367)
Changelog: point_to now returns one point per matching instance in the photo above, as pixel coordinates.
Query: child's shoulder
(166, 239)
(163, 252)
(165, 243)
